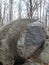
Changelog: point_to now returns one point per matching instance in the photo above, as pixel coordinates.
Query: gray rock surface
(9, 35)
(31, 39)
(44, 56)
(17, 43)
(31, 63)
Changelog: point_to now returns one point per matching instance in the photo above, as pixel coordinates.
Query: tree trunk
(10, 9)
(0, 13)
(30, 8)
(19, 9)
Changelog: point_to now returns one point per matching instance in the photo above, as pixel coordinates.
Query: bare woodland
(32, 9)
(24, 32)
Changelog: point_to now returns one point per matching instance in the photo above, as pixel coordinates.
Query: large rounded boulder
(31, 40)
(19, 40)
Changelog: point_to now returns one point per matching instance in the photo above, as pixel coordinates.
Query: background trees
(10, 9)
(0, 12)
(28, 9)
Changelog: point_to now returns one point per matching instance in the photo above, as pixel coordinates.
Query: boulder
(9, 36)
(44, 56)
(20, 39)
(31, 40)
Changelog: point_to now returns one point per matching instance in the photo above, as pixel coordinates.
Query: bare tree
(10, 9)
(4, 12)
(40, 8)
(30, 8)
(28, 3)
(27, 7)
(43, 7)
(19, 9)
(0, 12)
(46, 19)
